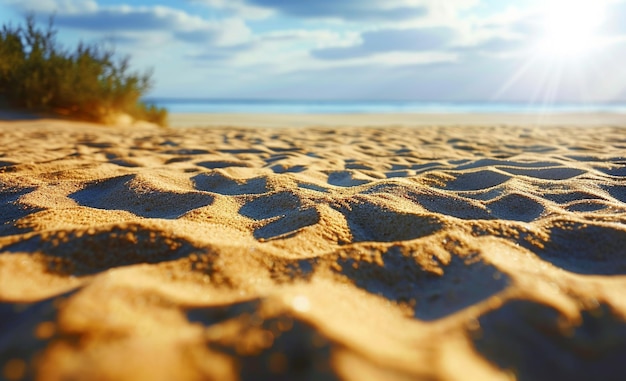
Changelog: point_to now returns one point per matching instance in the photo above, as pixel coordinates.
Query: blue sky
(534, 51)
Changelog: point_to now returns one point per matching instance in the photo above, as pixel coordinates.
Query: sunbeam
(570, 28)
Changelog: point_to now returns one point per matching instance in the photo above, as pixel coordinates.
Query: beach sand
(384, 249)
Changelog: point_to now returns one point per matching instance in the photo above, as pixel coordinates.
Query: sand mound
(312, 253)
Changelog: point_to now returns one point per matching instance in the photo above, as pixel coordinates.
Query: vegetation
(87, 83)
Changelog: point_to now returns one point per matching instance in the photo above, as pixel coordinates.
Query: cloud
(275, 51)
(408, 49)
(51, 6)
(352, 10)
(227, 32)
(368, 80)
(124, 19)
(532, 24)
(614, 23)
(496, 45)
(391, 40)
(475, 78)
(237, 8)
(126, 22)
(220, 54)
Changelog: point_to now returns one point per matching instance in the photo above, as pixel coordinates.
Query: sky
(531, 51)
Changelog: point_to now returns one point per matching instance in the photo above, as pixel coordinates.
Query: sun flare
(570, 28)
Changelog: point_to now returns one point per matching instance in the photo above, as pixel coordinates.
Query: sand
(584, 119)
(458, 252)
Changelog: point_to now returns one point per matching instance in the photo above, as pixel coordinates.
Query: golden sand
(460, 252)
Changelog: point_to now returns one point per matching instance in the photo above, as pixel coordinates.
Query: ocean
(363, 107)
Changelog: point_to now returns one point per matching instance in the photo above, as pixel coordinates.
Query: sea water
(363, 107)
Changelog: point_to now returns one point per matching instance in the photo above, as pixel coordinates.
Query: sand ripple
(313, 253)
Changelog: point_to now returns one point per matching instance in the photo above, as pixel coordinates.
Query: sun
(570, 27)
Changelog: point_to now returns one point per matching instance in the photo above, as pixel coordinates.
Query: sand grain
(474, 252)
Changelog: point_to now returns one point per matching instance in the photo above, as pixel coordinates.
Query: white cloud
(238, 8)
(52, 6)
(132, 22)
(232, 31)
(391, 40)
(347, 10)
(411, 49)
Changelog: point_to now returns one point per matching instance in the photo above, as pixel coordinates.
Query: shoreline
(397, 119)
(297, 120)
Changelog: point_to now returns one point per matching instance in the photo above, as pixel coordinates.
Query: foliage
(87, 83)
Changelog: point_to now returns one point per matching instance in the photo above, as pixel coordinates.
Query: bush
(88, 83)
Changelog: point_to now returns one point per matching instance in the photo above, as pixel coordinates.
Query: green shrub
(87, 83)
